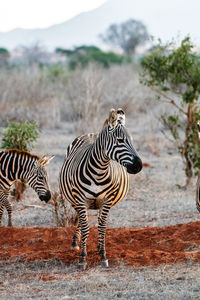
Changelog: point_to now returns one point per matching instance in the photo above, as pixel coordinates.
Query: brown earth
(136, 247)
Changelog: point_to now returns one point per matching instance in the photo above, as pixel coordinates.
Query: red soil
(134, 246)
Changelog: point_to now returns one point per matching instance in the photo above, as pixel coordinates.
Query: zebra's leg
(9, 210)
(4, 199)
(83, 219)
(1, 211)
(77, 237)
(102, 223)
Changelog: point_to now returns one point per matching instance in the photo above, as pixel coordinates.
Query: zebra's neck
(97, 157)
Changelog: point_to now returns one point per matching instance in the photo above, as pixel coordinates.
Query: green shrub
(54, 72)
(20, 136)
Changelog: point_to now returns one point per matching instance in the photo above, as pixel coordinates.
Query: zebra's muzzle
(46, 197)
(135, 167)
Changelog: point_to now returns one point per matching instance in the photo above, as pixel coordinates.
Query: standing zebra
(14, 165)
(95, 176)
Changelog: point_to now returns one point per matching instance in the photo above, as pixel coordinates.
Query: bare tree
(33, 55)
(127, 35)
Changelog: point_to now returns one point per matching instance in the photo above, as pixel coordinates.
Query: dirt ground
(134, 247)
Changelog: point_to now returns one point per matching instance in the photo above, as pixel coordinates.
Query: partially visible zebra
(14, 165)
(95, 176)
(198, 181)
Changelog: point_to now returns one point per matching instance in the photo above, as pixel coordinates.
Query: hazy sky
(41, 13)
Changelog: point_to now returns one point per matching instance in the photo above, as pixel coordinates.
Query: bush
(20, 136)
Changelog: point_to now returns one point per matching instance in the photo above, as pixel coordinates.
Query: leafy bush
(176, 71)
(54, 72)
(20, 136)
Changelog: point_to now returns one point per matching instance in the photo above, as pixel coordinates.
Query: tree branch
(170, 100)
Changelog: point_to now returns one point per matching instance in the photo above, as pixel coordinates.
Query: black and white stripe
(198, 180)
(16, 165)
(95, 176)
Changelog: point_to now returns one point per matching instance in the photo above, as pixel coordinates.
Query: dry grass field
(169, 263)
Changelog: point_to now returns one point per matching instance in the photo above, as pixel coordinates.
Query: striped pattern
(95, 176)
(198, 193)
(198, 181)
(16, 165)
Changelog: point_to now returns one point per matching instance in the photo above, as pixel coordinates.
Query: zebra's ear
(112, 119)
(120, 116)
(44, 160)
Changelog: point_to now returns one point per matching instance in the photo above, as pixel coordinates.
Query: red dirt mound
(134, 246)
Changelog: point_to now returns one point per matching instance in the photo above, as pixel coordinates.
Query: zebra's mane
(23, 152)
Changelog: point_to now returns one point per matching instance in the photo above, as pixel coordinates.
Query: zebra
(16, 165)
(94, 175)
(198, 179)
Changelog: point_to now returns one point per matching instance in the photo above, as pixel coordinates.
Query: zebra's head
(118, 143)
(38, 178)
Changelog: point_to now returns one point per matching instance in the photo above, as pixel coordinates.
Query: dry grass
(53, 280)
(65, 215)
(94, 91)
(25, 96)
(35, 93)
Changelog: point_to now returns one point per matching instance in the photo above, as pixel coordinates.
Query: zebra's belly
(95, 196)
(94, 203)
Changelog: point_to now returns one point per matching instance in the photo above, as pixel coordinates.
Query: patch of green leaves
(170, 67)
(20, 135)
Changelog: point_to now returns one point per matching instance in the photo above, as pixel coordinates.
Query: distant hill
(163, 19)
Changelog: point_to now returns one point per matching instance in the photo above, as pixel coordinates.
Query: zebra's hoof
(75, 248)
(104, 263)
(82, 266)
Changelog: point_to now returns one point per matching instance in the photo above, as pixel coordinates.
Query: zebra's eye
(120, 141)
(40, 177)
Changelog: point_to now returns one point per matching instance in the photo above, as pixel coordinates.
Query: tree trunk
(186, 152)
